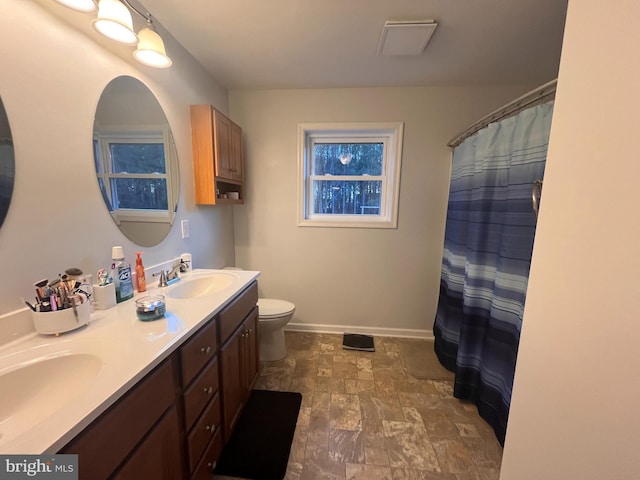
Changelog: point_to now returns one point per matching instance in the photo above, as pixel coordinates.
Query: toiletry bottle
(122, 277)
(141, 281)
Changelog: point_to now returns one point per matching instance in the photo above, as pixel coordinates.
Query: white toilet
(273, 316)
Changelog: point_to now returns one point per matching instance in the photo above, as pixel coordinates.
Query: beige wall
(574, 413)
(376, 280)
(52, 77)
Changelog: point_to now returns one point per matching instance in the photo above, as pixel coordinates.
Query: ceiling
(265, 44)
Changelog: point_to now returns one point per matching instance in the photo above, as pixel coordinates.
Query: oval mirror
(7, 164)
(136, 161)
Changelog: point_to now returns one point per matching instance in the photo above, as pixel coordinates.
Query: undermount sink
(202, 286)
(46, 384)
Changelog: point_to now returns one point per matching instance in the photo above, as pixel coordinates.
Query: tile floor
(363, 416)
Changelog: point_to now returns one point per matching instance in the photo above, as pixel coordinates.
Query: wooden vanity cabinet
(201, 399)
(239, 359)
(173, 423)
(139, 429)
(218, 163)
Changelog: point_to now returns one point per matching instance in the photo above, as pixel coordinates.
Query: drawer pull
(206, 350)
(212, 465)
(208, 390)
(210, 427)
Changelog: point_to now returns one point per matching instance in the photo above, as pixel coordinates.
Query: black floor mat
(261, 442)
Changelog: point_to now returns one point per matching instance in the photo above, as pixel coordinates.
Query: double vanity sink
(53, 387)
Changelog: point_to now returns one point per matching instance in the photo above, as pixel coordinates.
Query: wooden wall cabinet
(218, 164)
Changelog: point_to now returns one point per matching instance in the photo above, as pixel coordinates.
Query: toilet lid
(269, 307)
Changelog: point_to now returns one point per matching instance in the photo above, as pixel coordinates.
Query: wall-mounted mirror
(7, 164)
(136, 161)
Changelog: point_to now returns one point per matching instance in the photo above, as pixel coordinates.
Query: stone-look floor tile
(345, 370)
(304, 385)
(438, 423)
(489, 473)
(346, 446)
(412, 415)
(317, 464)
(318, 367)
(359, 387)
(299, 445)
(304, 416)
(367, 472)
(467, 430)
(345, 412)
(444, 388)
(453, 456)
(294, 470)
(486, 454)
(321, 402)
(408, 446)
(375, 449)
(318, 430)
(410, 474)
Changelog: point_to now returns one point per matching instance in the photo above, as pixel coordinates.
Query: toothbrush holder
(104, 296)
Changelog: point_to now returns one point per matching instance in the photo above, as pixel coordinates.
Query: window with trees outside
(349, 174)
(134, 174)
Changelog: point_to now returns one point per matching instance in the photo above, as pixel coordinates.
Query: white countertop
(115, 350)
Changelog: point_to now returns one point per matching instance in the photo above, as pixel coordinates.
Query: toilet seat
(269, 308)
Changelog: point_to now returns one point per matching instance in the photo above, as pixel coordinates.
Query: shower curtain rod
(539, 95)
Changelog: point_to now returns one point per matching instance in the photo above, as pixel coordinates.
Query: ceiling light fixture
(150, 49)
(405, 37)
(115, 22)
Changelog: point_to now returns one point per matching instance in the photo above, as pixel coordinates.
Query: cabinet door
(232, 391)
(159, 456)
(236, 153)
(222, 128)
(249, 353)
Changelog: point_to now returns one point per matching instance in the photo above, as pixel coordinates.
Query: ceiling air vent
(405, 37)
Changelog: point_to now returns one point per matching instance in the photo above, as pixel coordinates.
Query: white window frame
(389, 133)
(137, 134)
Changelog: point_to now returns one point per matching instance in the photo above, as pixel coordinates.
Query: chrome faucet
(170, 275)
(179, 267)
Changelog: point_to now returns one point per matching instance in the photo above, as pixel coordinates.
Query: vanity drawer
(198, 351)
(238, 309)
(104, 444)
(207, 464)
(198, 394)
(204, 429)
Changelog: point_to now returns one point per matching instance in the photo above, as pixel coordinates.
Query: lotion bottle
(122, 277)
(141, 281)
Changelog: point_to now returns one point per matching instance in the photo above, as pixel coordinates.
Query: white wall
(51, 81)
(375, 279)
(574, 413)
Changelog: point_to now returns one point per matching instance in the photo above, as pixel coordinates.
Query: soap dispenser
(141, 281)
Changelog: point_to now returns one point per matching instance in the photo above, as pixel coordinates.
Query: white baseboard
(375, 331)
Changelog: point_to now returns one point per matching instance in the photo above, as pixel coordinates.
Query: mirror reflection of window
(136, 161)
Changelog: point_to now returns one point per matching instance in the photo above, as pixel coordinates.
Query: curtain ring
(536, 193)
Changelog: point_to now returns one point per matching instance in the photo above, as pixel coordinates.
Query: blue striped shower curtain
(487, 254)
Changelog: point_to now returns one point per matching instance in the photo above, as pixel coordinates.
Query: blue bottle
(121, 275)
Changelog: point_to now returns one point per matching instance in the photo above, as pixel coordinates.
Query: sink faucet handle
(163, 278)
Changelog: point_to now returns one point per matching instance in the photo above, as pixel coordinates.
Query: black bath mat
(261, 442)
